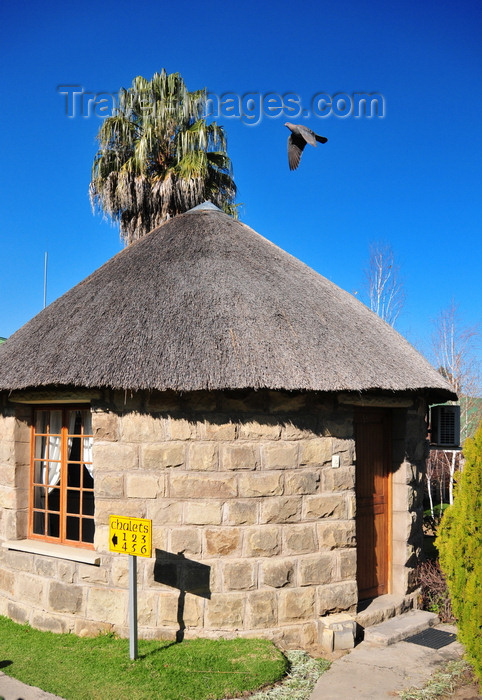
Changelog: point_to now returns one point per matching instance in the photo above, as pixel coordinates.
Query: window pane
(74, 422)
(87, 530)
(39, 497)
(53, 447)
(53, 500)
(73, 478)
(39, 523)
(88, 503)
(53, 525)
(73, 501)
(87, 441)
(87, 422)
(53, 475)
(41, 421)
(88, 480)
(38, 472)
(73, 528)
(74, 449)
(40, 443)
(87, 450)
(55, 420)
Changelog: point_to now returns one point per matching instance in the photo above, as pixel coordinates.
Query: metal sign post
(132, 606)
(132, 536)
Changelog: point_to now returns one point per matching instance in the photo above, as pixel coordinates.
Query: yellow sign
(130, 535)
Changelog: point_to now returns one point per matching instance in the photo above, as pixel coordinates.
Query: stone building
(270, 425)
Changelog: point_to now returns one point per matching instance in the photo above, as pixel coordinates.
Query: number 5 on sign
(130, 535)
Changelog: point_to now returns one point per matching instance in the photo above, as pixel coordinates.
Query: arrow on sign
(114, 540)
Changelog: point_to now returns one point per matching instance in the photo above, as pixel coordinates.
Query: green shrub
(460, 546)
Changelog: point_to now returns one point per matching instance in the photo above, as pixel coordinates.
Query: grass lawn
(98, 668)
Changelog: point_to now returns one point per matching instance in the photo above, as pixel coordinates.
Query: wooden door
(373, 501)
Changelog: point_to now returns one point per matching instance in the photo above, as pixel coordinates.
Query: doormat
(432, 638)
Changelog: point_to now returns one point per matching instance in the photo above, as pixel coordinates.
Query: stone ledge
(85, 556)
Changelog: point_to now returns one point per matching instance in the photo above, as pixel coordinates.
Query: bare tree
(454, 351)
(439, 474)
(453, 347)
(385, 289)
(429, 476)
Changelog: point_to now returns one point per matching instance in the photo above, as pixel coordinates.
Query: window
(61, 477)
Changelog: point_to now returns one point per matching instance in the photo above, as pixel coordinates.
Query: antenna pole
(45, 278)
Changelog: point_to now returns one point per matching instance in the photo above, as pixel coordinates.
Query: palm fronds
(158, 157)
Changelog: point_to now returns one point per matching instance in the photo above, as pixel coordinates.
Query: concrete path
(11, 689)
(379, 672)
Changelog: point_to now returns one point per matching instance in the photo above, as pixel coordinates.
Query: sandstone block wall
(409, 457)
(253, 528)
(14, 470)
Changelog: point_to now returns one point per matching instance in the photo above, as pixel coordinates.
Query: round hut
(271, 427)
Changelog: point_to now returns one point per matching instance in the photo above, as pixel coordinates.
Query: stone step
(399, 627)
(372, 612)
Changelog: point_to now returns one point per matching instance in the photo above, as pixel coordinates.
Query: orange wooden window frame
(63, 481)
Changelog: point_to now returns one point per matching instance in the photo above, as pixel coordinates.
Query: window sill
(85, 556)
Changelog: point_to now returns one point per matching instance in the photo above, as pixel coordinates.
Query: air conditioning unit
(445, 426)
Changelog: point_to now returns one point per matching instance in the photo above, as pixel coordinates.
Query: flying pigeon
(297, 140)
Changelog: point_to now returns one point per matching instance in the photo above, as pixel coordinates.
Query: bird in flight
(297, 140)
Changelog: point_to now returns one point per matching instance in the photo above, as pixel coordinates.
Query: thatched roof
(204, 302)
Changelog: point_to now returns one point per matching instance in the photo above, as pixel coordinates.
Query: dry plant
(434, 592)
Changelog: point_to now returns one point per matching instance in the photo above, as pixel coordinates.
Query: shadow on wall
(186, 575)
(317, 413)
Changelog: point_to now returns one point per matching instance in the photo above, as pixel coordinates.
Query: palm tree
(158, 157)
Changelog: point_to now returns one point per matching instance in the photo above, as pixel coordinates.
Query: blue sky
(412, 178)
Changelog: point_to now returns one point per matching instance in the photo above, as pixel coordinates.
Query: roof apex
(205, 206)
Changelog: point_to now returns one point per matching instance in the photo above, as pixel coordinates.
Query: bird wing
(308, 135)
(296, 143)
